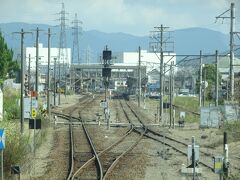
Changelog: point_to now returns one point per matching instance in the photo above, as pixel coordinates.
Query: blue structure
(2, 139)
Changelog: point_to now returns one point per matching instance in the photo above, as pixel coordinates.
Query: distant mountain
(186, 41)
(192, 40)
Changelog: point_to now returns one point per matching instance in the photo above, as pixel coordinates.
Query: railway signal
(106, 74)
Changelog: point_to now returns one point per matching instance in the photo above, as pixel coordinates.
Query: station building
(124, 65)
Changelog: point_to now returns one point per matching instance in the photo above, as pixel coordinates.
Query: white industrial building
(149, 59)
(30, 55)
(43, 57)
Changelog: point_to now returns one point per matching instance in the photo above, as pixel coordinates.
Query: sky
(136, 17)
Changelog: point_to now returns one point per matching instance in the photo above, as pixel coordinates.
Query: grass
(188, 103)
(232, 129)
(10, 104)
(17, 144)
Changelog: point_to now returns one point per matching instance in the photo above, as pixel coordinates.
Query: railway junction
(80, 145)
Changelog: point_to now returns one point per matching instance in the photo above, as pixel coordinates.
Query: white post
(1, 164)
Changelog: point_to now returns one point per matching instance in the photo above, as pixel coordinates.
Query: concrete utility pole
(54, 75)
(139, 76)
(232, 29)
(164, 71)
(159, 39)
(216, 82)
(161, 74)
(173, 87)
(200, 81)
(171, 94)
(37, 58)
(204, 90)
(29, 71)
(48, 76)
(59, 80)
(22, 80)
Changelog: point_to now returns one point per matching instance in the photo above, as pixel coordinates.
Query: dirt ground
(147, 161)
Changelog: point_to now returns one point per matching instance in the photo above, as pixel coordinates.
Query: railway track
(102, 174)
(176, 144)
(104, 163)
(70, 114)
(169, 141)
(109, 157)
(184, 109)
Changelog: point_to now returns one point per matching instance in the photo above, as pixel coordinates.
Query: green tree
(8, 67)
(209, 71)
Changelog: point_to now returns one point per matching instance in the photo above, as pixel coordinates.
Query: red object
(34, 93)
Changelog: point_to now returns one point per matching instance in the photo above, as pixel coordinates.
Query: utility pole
(139, 76)
(205, 80)
(29, 71)
(200, 81)
(37, 58)
(173, 87)
(170, 94)
(48, 76)
(161, 74)
(59, 80)
(159, 39)
(216, 81)
(54, 75)
(232, 29)
(22, 80)
(164, 71)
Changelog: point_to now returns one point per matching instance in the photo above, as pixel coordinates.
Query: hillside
(187, 41)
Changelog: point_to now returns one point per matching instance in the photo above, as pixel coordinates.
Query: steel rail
(71, 155)
(107, 173)
(102, 152)
(98, 162)
(107, 149)
(169, 138)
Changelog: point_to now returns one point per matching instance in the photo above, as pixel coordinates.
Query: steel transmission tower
(88, 55)
(62, 51)
(77, 29)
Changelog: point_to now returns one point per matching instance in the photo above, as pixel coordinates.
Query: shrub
(233, 130)
(10, 104)
(16, 144)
